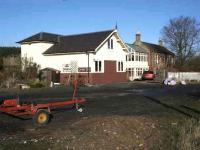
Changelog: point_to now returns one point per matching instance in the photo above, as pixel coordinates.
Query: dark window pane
(108, 43)
(99, 65)
(132, 57)
(111, 43)
(129, 57)
(96, 65)
(118, 66)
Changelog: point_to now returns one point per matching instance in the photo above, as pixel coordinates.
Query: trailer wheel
(41, 117)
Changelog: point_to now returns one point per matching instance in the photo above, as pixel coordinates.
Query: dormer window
(110, 43)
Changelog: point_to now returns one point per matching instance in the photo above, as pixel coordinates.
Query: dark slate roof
(49, 69)
(158, 48)
(79, 43)
(42, 36)
(136, 48)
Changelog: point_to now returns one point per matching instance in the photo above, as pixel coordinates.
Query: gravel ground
(135, 115)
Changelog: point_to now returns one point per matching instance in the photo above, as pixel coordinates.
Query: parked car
(148, 75)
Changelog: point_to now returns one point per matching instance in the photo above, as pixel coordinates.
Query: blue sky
(22, 18)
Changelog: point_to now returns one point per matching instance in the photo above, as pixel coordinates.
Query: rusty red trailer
(38, 111)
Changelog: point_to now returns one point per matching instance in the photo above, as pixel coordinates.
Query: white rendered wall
(137, 64)
(34, 52)
(57, 61)
(184, 75)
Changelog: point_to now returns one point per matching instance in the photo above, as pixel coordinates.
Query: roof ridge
(153, 44)
(159, 46)
(50, 33)
(129, 43)
(88, 33)
(41, 34)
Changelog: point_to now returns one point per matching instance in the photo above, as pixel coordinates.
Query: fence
(185, 75)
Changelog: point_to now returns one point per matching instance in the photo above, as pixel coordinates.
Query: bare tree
(182, 35)
(29, 69)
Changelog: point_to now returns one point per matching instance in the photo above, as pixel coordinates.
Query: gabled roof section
(120, 41)
(135, 48)
(41, 37)
(78, 43)
(158, 48)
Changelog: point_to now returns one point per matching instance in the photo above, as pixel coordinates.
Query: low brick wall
(94, 78)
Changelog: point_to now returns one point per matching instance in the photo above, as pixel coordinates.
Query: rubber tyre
(41, 117)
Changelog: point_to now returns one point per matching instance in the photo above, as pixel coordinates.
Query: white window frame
(130, 57)
(139, 72)
(130, 73)
(137, 56)
(110, 43)
(120, 66)
(157, 60)
(133, 57)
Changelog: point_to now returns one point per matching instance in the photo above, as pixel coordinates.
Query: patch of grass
(189, 138)
(184, 135)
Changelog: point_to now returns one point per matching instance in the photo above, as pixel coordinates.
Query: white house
(98, 57)
(136, 61)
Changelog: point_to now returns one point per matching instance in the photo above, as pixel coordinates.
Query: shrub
(36, 85)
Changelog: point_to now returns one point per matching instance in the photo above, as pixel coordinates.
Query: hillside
(6, 51)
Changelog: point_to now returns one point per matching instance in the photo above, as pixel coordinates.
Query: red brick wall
(150, 59)
(109, 76)
(82, 77)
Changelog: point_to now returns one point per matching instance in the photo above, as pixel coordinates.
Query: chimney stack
(160, 42)
(137, 38)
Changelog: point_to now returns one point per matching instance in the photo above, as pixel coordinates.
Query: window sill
(121, 71)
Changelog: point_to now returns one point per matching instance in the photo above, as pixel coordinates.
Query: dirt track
(121, 116)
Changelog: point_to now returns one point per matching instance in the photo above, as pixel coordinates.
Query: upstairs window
(172, 60)
(120, 66)
(157, 59)
(110, 43)
(137, 56)
(143, 57)
(97, 66)
(130, 57)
